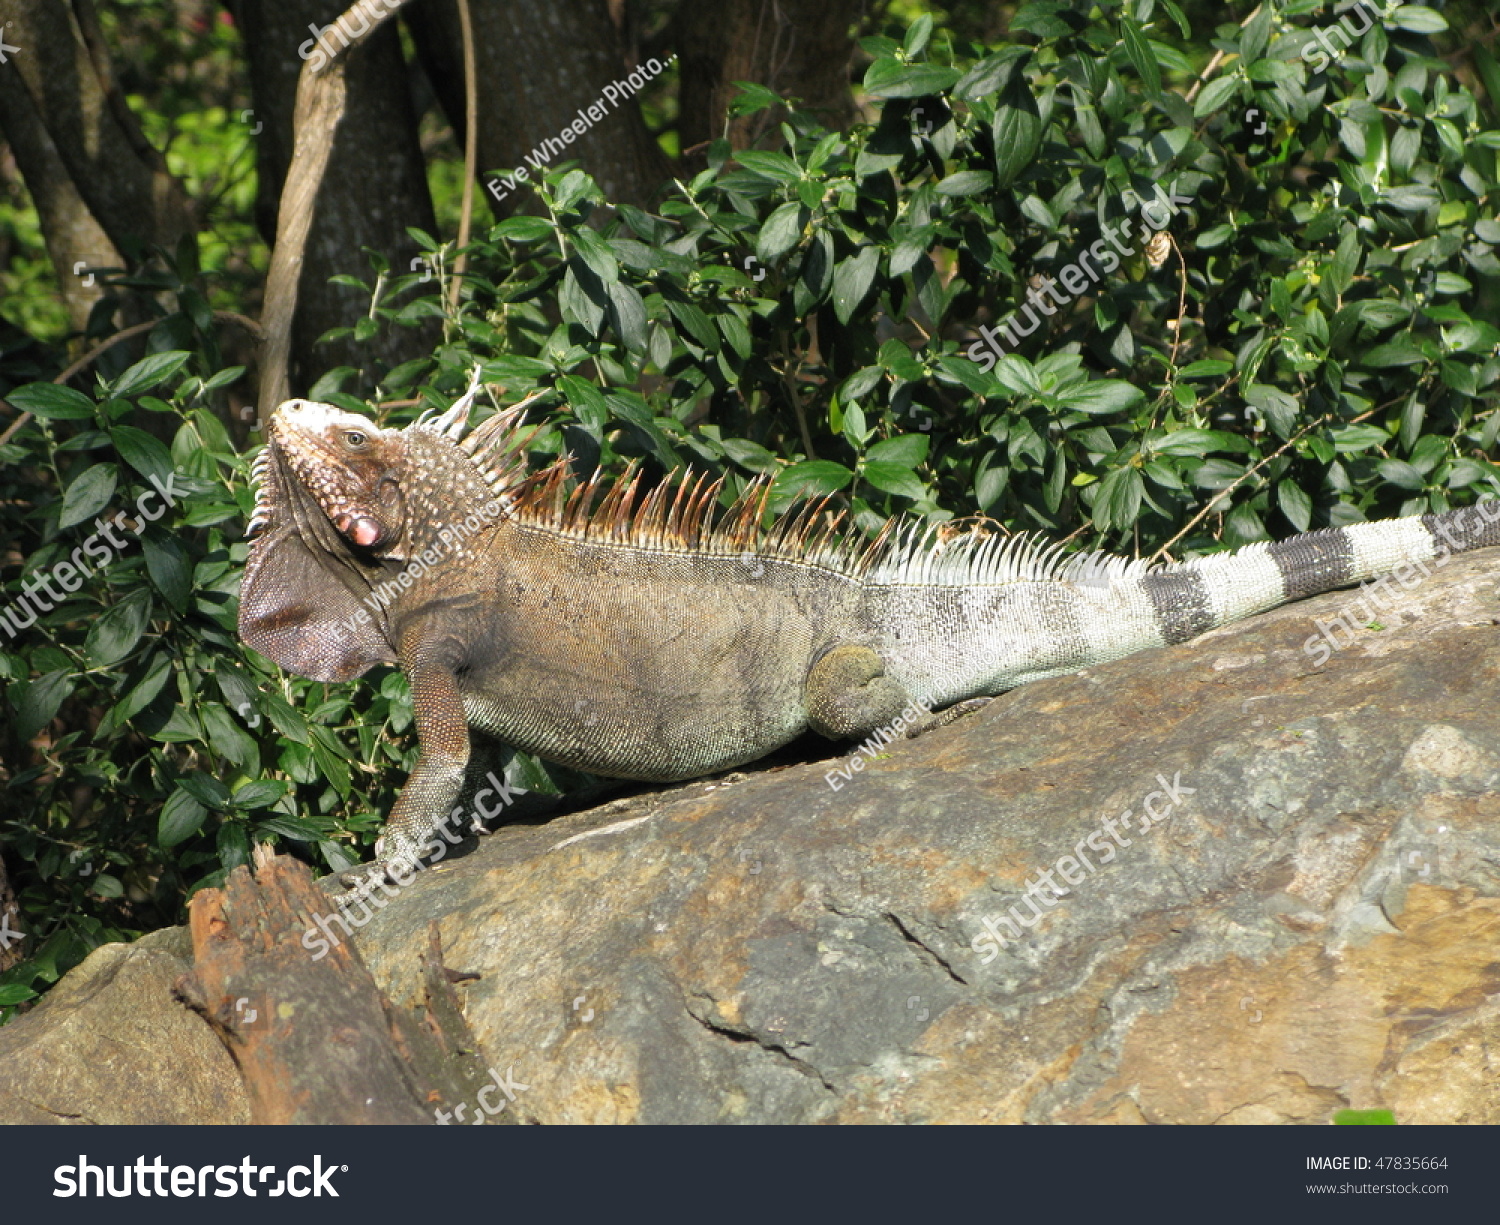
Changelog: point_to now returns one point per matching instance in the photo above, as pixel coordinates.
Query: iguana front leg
(442, 758)
(849, 695)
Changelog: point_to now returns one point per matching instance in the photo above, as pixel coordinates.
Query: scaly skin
(655, 647)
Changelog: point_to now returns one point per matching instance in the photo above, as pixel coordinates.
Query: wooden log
(314, 1038)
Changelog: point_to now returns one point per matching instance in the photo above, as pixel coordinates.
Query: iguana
(648, 634)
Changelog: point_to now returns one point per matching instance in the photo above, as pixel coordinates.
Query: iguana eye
(355, 439)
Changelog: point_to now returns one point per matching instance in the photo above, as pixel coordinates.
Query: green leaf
(294, 828)
(1295, 504)
(1418, 19)
(887, 78)
(116, 634)
(1141, 55)
(736, 333)
(781, 231)
(205, 789)
(522, 229)
(52, 401)
(893, 478)
(627, 315)
(1016, 131)
(181, 818)
(595, 252)
(40, 701)
(1118, 503)
(147, 455)
(1205, 368)
(852, 280)
(1102, 396)
(812, 478)
(777, 167)
(144, 692)
(578, 305)
(1278, 408)
(1401, 474)
(170, 567)
(816, 278)
(906, 449)
(1215, 94)
(151, 371)
(965, 183)
(917, 36)
(750, 455)
(227, 737)
(89, 493)
(991, 73)
(586, 400)
(694, 322)
(1194, 442)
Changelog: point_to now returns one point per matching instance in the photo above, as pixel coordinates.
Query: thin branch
(322, 99)
(471, 154)
(1245, 476)
(1218, 498)
(134, 330)
(1218, 59)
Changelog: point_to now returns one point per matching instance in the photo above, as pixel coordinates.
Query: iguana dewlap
(652, 636)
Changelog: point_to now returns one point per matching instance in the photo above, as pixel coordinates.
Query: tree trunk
(374, 187)
(540, 62)
(70, 231)
(799, 48)
(63, 68)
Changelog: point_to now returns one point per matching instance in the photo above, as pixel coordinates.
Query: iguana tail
(984, 617)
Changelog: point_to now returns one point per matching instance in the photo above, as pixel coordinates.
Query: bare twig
(134, 330)
(471, 154)
(1218, 59)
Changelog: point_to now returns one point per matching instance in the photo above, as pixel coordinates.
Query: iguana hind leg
(849, 695)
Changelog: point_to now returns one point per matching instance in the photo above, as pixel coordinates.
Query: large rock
(110, 1045)
(1311, 921)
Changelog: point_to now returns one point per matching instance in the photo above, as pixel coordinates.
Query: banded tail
(1002, 613)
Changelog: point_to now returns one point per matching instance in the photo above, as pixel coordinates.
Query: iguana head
(350, 467)
(328, 512)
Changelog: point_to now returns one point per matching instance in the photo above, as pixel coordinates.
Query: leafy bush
(1308, 347)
